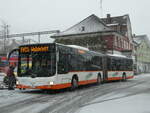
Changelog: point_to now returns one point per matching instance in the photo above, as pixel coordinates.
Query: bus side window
(109, 64)
(63, 64)
(114, 64)
(96, 63)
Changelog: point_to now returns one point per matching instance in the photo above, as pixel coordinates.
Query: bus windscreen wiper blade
(33, 75)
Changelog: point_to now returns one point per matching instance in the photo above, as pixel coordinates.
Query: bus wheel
(98, 79)
(124, 77)
(74, 83)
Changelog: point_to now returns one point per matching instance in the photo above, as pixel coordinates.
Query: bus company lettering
(81, 51)
(24, 49)
(115, 74)
(39, 49)
(88, 75)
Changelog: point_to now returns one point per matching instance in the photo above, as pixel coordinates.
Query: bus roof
(78, 47)
(81, 48)
(70, 46)
(36, 44)
(118, 56)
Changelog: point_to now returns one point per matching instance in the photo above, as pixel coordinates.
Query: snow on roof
(139, 38)
(89, 25)
(113, 24)
(118, 19)
(78, 47)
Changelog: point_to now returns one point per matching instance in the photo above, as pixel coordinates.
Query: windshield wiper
(33, 75)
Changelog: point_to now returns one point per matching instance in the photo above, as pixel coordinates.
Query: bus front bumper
(57, 86)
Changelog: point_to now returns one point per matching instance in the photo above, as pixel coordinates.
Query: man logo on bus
(89, 75)
(115, 74)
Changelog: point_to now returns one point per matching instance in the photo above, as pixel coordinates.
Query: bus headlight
(17, 82)
(51, 83)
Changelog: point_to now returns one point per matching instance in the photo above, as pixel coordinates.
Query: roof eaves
(100, 20)
(116, 17)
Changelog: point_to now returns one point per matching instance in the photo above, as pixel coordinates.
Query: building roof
(89, 25)
(139, 38)
(120, 24)
(122, 20)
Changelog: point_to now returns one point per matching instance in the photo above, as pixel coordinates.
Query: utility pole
(23, 40)
(5, 34)
(101, 8)
(39, 37)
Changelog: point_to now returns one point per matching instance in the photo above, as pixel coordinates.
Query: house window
(117, 41)
(121, 42)
(82, 28)
(124, 44)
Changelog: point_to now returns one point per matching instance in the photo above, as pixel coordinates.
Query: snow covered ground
(133, 104)
(133, 100)
(132, 96)
(1, 78)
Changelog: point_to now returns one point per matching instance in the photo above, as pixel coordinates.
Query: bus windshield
(37, 64)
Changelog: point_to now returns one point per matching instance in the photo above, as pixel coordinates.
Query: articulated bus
(57, 66)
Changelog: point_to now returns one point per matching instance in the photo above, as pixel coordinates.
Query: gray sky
(40, 15)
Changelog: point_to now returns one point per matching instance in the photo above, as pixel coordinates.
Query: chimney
(108, 15)
(108, 19)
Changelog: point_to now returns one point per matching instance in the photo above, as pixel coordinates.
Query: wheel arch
(124, 73)
(75, 76)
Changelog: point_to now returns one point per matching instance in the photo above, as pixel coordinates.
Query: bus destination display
(34, 49)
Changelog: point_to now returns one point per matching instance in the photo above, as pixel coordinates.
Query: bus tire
(124, 77)
(74, 83)
(98, 79)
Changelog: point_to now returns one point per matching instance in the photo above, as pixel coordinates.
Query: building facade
(142, 53)
(95, 34)
(120, 24)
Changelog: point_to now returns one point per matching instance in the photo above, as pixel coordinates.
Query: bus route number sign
(34, 49)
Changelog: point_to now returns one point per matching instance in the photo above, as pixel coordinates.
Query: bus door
(62, 67)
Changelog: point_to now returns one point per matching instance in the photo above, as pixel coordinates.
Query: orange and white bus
(57, 66)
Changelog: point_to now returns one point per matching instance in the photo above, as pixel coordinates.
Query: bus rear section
(119, 68)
